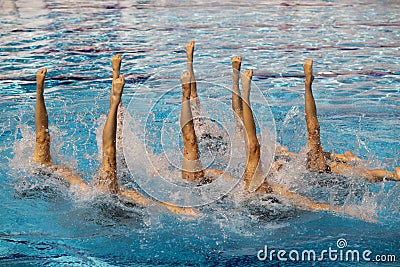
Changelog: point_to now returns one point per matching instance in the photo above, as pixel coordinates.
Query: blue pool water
(355, 48)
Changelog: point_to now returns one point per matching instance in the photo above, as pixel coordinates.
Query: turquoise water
(355, 48)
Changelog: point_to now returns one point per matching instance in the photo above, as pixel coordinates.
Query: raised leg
(195, 102)
(193, 84)
(192, 169)
(253, 175)
(41, 153)
(236, 98)
(116, 67)
(316, 159)
(107, 180)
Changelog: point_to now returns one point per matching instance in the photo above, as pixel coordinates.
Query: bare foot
(236, 62)
(189, 51)
(308, 71)
(116, 65)
(117, 89)
(40, 76)
(185, 79)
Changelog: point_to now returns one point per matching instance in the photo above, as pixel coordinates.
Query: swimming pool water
(355, 48)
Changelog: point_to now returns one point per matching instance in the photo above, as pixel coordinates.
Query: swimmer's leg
(192, 169)
(132, 195)
(347, 156)
(236, 98)
(108, 175)
(308, 204)
(375, 175)
(193, 84)
(195, 101)
(253, 175)
(41, 153)
(116, 67)
(316, 159)
(42, 148)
